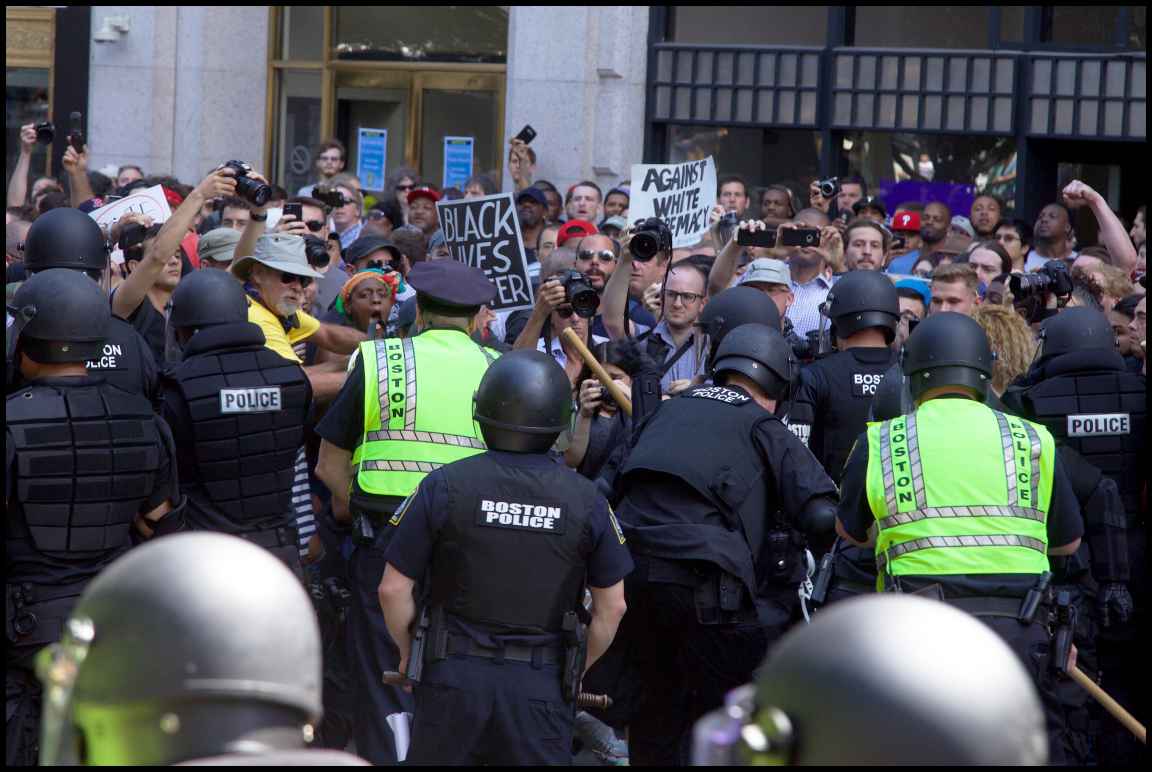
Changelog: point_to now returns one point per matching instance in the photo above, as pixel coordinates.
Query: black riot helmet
(948, 349)
(761, 353)
(523, 403)
(207, 297)
(908, 695)
(733, 307)
(58, 316)
(1076, 329)
(863, 299)
(190, 646)
(893, 397)
(66, 238)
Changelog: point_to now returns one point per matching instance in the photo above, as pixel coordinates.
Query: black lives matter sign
(485, 233)
(679, 194)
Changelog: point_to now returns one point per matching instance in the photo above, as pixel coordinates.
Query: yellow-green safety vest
(417, 408)
(959, 488)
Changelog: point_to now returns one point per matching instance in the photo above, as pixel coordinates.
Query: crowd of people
(229, 389)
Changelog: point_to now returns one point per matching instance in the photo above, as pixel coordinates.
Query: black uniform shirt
(1064, 526)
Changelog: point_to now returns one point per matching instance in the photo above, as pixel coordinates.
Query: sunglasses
(315, 225)
(380, 265)
(565, 312)
(603, 256)
(289, 278)
(405, 187)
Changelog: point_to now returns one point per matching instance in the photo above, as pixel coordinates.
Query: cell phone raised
(800, 237)
(527, 134)
(761, 238)
(296, 210)
(76, 132)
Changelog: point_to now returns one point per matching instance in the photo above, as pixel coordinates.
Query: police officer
(712, 498)
(404, 411)
(967, 503)
(508, 540)
(237, 412)
(85, 461)
(834, 393)
(68, 238)
(733, 307)
(886, 679)
(199, 649)
(1080, 390)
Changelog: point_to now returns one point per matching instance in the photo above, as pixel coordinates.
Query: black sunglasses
(565, 311)
(314, 225)
(288, 278)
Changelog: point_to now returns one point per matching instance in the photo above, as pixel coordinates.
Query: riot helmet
(1075, 329)
(863, 299)
(66, 238)
(925, 684)
(893, 397)
(204, 298)
(58, 316)
(948, 349)
(523, 402)
(761, 353)
(730, 309)
(190, 646)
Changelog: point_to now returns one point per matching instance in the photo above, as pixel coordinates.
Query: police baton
(598, 370)
(1116, 709)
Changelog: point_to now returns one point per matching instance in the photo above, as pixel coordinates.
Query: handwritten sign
(679, 194)
(146, 201)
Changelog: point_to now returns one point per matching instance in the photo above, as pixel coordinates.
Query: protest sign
(371, 156)
(485, 233)
(679, 194)
(147, 201)
(458, 159)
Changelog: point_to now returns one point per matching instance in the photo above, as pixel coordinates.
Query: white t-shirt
(1035, 261)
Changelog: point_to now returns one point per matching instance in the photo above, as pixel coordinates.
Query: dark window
(928, 26)
(798, 25)
(1096, 25)
(434, 33)
(1012, 23)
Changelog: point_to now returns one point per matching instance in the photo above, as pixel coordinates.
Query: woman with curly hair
(1012, 340)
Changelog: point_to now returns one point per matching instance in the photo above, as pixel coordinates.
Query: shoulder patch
(398, 515)
(615, 524)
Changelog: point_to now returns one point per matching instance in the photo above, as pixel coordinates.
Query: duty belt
(988, 607)
(533, 655)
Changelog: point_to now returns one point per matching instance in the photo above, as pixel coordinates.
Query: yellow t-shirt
(274, 336)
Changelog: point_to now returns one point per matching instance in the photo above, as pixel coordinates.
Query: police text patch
(720, 394)
(521, 516)
(1099, 425)
(864, 384)
(258, 400)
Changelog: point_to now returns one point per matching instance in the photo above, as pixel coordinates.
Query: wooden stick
(1116, 709)
(598, 370)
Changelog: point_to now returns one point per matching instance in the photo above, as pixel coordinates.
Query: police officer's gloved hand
(1114, 603)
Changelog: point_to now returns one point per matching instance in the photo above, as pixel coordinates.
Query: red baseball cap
(906, 221)
(424, 192)
(575, 229)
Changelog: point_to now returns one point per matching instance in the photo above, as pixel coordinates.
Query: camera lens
(580, 295)
(645, 245)
(45, 133)
(316, 251)
(256, 192)
(1023, 285)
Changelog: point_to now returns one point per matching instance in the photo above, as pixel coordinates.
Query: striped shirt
(805, 311)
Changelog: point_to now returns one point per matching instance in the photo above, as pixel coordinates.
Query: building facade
(919, 100)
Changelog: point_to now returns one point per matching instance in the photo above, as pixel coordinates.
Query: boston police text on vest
(516, 515)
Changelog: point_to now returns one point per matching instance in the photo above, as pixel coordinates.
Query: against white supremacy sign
(485, 233)
(679, 194)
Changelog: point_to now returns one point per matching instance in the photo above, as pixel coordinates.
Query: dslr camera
(316, 250)
(579, 293)
(1054, 278)
(829, 187)
(251, 190)
(45, 132)
(650, 237)
(331, 198)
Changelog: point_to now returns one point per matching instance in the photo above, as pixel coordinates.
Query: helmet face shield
(57, 667)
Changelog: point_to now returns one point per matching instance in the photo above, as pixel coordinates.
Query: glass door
(374, 100)
(461, 105)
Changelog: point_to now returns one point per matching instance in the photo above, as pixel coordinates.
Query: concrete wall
(182, 91)
(577, 74)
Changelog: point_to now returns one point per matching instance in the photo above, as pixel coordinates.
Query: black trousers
(685, 668)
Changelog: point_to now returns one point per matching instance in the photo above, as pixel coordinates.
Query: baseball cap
(535, 194)
(871, 202)
(920, 286)
(575, 229)
(960, 222)
(366, 245)
(903, 220)
(767, 271)
(423, 192)
(617, 222)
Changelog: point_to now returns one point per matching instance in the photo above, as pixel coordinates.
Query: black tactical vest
(514, 550)
(722, 463)
(247, 406)
(87, 457)
(1089, 402)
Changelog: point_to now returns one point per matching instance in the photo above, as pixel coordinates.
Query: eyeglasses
(333, 158)
(687, 298)
(603, 256)
(315, 225)
(289, 278)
